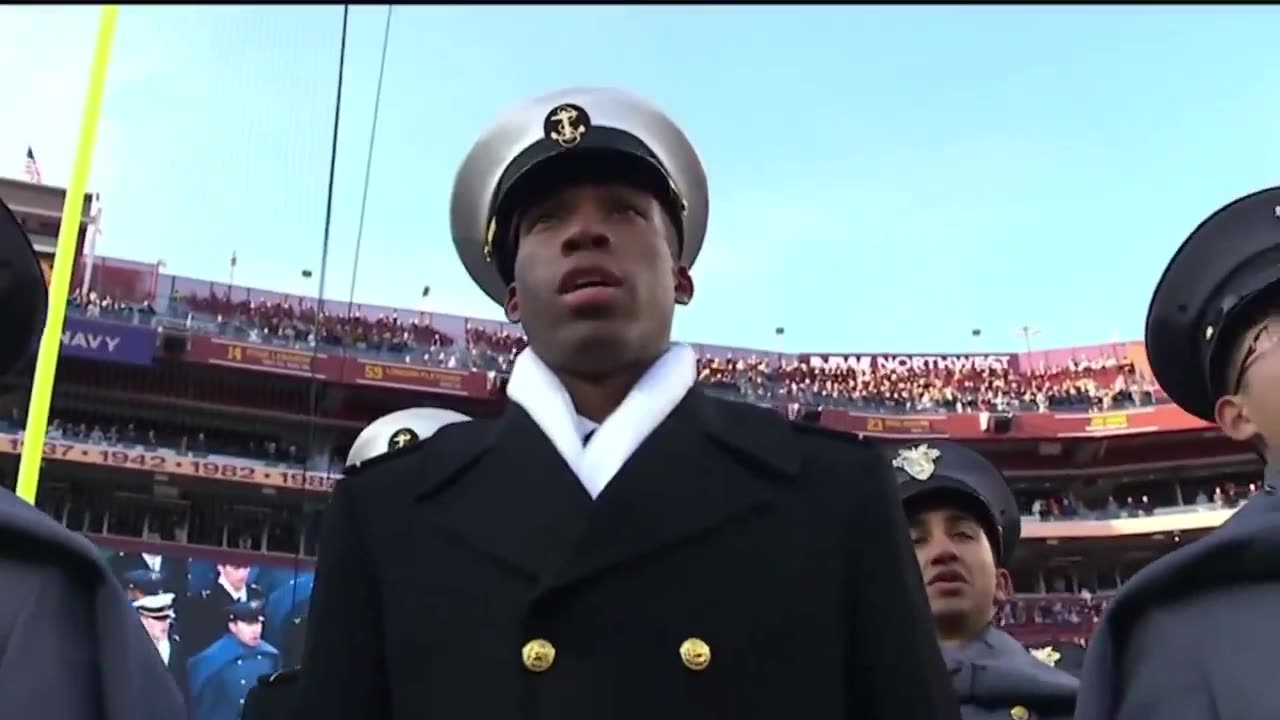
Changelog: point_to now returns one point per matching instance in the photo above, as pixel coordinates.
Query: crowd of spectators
(1144, 500)
(1095, 384)
(1077, 612)
(1091, 385)
(304, 324)
(91, 305)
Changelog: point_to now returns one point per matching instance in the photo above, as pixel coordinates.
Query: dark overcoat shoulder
(1190, 636)
(274, 697)
(71, 647)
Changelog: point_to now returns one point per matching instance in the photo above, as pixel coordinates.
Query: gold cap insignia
(403, 437)
(1018, 712)
(488, 239)
(1046, 655)
(566, 125)
(917, 461)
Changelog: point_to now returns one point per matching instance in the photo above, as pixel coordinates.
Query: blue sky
(881, 179)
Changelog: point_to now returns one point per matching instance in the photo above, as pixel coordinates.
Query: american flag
(32, 168)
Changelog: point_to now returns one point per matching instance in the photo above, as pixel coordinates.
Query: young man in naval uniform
(1193, 635)
(617, 544)
(71, 647)
(156, 613)
(275, 697)
(965, 526)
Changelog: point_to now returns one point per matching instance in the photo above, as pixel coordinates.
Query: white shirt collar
(534, 387)
(585, 426)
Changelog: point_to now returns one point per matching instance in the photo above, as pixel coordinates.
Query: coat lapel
(518, 501)
(708, 463)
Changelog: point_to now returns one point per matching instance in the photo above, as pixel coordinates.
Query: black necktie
(587, 438)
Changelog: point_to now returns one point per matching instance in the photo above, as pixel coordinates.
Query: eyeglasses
(1262, 340)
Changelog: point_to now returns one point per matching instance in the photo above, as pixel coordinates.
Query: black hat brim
(1216, 281)
(620, 159)
(941, 491)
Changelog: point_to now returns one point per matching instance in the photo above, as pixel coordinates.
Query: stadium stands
(222, 417)
(1097, 382)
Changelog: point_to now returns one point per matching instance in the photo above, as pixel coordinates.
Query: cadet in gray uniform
(1193, 635)
(965, 525)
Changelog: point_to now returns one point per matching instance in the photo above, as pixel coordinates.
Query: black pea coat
(274, 697)
(173, 571)
(737, 566)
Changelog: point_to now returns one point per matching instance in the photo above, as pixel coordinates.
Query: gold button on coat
(695, 654)
(1019, 713)
(538, 655)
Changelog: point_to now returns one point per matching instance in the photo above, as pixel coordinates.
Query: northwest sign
(912, 363)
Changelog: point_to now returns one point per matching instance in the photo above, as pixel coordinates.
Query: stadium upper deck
(186, 410)
(1084, 418)
(1080, 380)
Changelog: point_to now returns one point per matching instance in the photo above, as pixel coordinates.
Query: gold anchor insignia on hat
(1046, 655)
(679, 196)
(566, 125)
(402, 438)
(488, 239)
(918, 461)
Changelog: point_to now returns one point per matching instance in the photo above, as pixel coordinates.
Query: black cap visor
(1257, 294)
(23, 293)
(943, 493)
(606, 156)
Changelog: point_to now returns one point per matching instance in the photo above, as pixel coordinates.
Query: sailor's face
(157, 628)
(1252, 411)
(235, 575)
(249, 633)
(596, 281)
(957, 565)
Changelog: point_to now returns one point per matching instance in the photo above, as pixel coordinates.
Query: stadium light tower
(975, 340)
(1026, 332)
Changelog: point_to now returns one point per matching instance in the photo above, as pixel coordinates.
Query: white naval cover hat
(400, 429)
(156, 606)
(620, 135)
